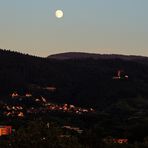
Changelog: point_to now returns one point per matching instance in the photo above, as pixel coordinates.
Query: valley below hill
(113, 89)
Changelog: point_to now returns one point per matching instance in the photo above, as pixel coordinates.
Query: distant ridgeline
(79, 77)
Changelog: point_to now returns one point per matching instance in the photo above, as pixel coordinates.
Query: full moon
(59, 13)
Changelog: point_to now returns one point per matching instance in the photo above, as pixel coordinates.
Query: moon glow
(59, 14)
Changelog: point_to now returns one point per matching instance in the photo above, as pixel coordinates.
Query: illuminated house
(110, 140)
(28, 95)
(76, 129)
(5, 130)
(120, 141)
(43, 99)
(21, 114)
(15, 95)
(120, 75)
(50, 88)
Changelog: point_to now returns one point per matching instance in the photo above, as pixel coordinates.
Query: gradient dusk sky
(94, 26)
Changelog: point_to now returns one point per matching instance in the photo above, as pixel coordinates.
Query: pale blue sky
(100, 26)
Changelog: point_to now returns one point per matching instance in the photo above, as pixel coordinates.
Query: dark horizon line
(76, 52)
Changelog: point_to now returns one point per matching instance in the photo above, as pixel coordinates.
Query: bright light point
(59, 13)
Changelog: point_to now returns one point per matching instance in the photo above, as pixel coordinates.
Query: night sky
(94, 26)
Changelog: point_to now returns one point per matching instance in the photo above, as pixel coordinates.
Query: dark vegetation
(122, 105)
(87, 81)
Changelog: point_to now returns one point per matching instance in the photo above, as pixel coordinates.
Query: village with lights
(91, 108)
(16, 109)
(76, 104)
(20, 112)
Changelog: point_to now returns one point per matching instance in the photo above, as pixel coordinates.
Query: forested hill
(81, 55)
(87, 81)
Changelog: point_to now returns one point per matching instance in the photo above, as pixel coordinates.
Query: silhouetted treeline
(87, 81)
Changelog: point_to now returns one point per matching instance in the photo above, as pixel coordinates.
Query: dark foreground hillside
(114, 86)
(88, 81)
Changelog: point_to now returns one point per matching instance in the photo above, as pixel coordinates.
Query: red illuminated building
(120, 141)
(120, 75)
(5, 130)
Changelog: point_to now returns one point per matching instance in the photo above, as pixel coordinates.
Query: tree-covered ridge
(86, 81)
(115, 87)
